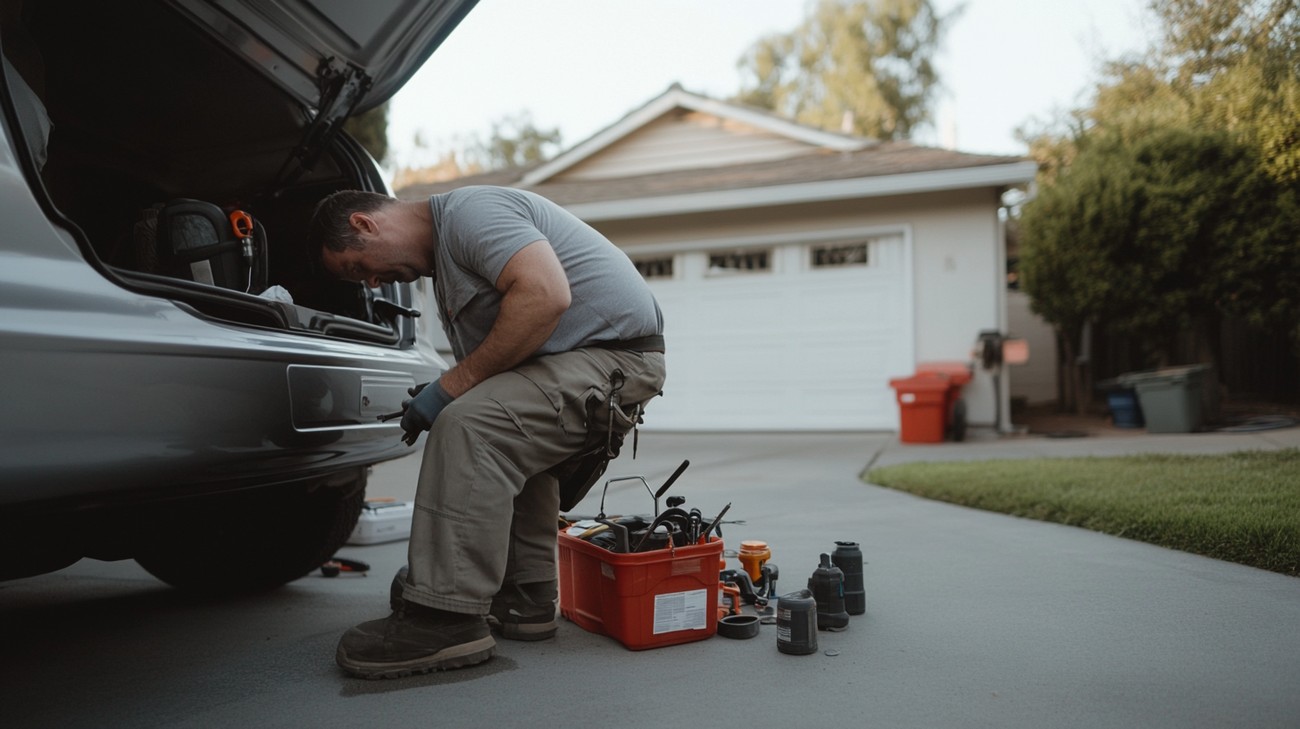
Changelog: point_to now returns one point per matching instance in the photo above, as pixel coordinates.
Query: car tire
(257, 541)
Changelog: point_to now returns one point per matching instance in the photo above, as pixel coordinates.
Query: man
(557, 340)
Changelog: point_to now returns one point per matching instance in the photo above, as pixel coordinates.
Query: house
(798, 270)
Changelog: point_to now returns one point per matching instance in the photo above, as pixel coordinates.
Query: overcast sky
(581, 65)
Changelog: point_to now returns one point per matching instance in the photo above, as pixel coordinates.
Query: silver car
(180, 383)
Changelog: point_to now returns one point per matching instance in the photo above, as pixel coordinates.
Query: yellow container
(753, 555)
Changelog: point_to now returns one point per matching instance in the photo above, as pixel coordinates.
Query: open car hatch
(302, 44)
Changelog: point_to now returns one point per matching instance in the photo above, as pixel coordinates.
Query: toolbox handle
(624, 478)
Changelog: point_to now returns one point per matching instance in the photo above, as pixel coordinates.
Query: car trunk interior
(147, 109)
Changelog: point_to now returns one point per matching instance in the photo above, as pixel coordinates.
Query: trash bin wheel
(957, 429)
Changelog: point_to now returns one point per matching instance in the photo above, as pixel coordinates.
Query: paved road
(974, 620)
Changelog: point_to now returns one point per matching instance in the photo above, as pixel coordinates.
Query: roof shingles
(889, 158)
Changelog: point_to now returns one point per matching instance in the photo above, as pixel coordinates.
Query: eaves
(807, 192)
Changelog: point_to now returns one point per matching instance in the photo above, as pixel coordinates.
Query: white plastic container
(383, 521)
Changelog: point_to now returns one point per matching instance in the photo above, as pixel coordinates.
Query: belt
(648, 343)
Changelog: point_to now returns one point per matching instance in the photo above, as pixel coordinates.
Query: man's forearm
(534, 295)
(520, 329)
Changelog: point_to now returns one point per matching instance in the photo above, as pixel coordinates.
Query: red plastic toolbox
(644, 600)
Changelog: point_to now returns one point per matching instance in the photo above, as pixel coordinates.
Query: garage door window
(740, 262)
(654, 268)
(839, 255)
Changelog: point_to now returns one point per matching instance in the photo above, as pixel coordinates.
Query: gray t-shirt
(478, 229)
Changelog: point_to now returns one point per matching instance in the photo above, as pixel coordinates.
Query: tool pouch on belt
(608, 424)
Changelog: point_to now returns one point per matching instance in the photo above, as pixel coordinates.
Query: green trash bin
(1172, 398)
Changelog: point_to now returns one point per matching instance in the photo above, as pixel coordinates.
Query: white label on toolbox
(681, 611)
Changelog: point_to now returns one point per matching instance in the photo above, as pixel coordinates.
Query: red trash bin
(922, 407)
(958, 374)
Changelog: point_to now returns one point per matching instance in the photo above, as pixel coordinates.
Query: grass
(1241, 507)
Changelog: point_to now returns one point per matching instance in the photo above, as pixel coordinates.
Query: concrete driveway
(973, 620)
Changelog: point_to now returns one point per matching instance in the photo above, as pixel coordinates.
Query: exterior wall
(958, 279)
(1035, 380)
(957, 276)
(686, 140)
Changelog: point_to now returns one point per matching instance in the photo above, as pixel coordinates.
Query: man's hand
(426, 403)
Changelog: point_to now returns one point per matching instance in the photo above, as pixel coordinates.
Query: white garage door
(784, 337)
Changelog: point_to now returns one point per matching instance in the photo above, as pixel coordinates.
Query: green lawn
(1242, 507)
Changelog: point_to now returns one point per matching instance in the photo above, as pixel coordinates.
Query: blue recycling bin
(1122, 401)
(1125, 412)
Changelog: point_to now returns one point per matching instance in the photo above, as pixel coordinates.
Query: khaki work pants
(486, 507)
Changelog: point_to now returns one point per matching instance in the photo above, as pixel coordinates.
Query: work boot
(415, 639)
(518, 612)
(396, 589)
(524, 612)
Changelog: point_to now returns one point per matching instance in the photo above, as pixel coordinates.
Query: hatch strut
(341, 87)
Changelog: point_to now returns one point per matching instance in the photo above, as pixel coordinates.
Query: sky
(581, 65)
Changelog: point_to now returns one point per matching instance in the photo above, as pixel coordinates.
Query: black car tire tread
(257, 542)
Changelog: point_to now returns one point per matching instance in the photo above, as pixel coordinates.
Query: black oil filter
(827, 586)
(796, 623)
(848, 557)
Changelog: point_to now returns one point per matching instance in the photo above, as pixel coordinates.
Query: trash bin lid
(957, 372)
(920, 383)
(1164, 375)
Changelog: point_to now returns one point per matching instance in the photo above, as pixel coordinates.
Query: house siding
(685, 141)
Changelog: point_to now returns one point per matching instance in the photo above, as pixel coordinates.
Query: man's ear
(362, 223)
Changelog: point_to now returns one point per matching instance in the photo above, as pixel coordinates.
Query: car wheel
(257, 541)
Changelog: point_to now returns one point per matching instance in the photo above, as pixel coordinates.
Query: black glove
(426, 403)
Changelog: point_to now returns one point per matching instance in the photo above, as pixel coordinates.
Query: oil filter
(848, 557)
(796, 623)
(827, 586)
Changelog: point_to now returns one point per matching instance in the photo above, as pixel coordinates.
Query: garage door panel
(802, 349)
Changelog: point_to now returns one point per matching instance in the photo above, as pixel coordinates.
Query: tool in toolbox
(672, 527)
(662, 489)
(716, 524)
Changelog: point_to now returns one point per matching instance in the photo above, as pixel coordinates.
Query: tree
(515, 141)
(1232, 65)
(1229, 69)
(370, 129)
(860, 66)
(1160, 233)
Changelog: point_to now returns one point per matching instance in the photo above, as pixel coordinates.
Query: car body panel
(292, 40)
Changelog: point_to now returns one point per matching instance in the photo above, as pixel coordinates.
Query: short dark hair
(329, 227)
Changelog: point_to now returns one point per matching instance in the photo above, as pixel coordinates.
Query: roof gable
(679, 130)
